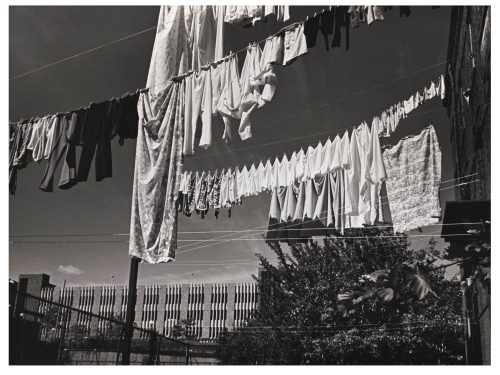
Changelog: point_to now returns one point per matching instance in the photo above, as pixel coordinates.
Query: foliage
(478, 255)
(299, 321)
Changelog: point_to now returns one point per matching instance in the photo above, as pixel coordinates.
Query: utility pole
(130, 315)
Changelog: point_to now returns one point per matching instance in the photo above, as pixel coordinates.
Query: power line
(80, 53)
(241, 239)
(225, 57)
(97, 48)
(216, 231)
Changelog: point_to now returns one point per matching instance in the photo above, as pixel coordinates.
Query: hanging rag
(413, 178)
(157, 175)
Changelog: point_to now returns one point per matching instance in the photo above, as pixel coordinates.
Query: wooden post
(130, 316)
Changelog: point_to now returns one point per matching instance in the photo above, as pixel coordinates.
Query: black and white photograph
(200, 184)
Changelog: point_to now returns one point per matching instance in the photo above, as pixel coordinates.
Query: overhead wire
(97, 48)
(207, 65)
(235, 239)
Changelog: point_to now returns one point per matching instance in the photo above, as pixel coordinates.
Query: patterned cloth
(158, 170)
(413, 169)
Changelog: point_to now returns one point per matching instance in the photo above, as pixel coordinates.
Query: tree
(299, 320)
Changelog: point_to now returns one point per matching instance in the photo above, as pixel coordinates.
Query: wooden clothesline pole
(130, 315)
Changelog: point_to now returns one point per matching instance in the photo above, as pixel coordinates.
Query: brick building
(468, 103)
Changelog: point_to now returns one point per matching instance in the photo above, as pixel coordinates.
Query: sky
(323, 92)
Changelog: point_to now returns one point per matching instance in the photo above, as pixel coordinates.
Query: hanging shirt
(214, 194)
(354, 176)
(188, 146)
(282, 172)
(59, 146)
(238, 13)
(268, 174)
(19, 137)
(326, 158)
(230, 97)
(241, 181)
(300, 165)
(318, 160)
(201, 201)
(203, 36)
(260, 177)
(252, 181)
(290, 172)
(250, 80)
(50, 136)
(309, 163)
(272, 54)
(38, 137)
(188, 202)
(310, 201)
(217, 76)
(69, 176)
(276, 172)
(409, 104)
(345, 155)
(282, 12)
(202, 106)
(275, 225)
(373, 13)
(294, 43)
(336, 162)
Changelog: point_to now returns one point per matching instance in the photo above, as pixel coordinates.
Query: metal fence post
(62, 336)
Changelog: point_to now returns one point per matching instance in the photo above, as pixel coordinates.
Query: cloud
(70, 270)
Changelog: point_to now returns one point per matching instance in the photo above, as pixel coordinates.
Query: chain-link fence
(47, 332)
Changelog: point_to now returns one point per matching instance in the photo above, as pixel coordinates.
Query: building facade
(468, 103)
(212, 308)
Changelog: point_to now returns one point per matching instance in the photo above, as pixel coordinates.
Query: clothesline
(176, 77)
(223, 239)
(132, 35)
(257, 229)
(266, 225)
(97, 47)
(203, 190)
(106, 45)
(328, 132)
